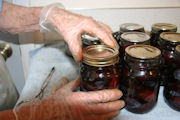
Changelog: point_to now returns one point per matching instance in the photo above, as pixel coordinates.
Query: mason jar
(132, 38)
(168, 42)
(157, 29)
(140, 84)
(127, 27)
(172, 88)
(98, 68)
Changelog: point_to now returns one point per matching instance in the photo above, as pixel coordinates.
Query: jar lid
(164, 27)
(130, 27)
(170, 36)
(178, 48)
(135, 36)
(100, 55)
(142, 51)
(89, 38)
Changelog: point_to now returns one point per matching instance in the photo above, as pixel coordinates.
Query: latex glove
(65, 104)
(71, 26)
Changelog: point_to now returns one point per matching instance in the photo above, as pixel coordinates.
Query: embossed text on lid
(164, 27)
(135, 36)
(143, 51)
(170, 36)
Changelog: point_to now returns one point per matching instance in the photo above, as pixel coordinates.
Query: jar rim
(164, 27)
(178, 48)
(170, 37)
(141, 51)
(100, 55)
(130, 27)
(135, 36)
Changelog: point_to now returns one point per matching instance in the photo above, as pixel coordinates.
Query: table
(160, 112)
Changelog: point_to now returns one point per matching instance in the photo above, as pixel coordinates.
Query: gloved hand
(65, 104)
(71, 26)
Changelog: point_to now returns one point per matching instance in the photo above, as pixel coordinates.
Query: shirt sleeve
(0, 5)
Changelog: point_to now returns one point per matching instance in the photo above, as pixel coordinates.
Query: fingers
(103, 108)
(71, 85)
(105, 27)
(101, 96)
(103, 33)
(59, 85)
(75, 47)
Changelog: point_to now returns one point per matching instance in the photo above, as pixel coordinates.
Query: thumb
(59, 85)
(70, 86)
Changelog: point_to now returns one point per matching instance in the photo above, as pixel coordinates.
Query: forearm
(17, 19)
(7, 115)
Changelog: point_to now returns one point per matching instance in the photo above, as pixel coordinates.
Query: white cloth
(42, 60)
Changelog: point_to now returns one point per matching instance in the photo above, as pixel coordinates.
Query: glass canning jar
(98, 69)
(127, 27)
(132, 38)
(172, 88)
(168, 42)
(157, 29)
(140, 84)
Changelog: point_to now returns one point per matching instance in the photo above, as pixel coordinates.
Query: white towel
(41, 62)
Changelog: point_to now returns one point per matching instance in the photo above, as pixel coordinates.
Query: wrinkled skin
(71, 26)
(64, 104)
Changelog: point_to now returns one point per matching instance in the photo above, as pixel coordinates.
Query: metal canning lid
(89, 38)
(100, 55)
(170, 36)
(164, 27)
(143, 51)
(131, 27)
(135, 36)
(178, 48)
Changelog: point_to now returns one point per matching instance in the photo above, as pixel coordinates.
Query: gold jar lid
(100, 55)
(170, 36)
(143, 51)
(135, 36)
(178, 48)
(164, 27)
(131, 27)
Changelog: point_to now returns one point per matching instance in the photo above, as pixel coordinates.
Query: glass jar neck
(141, 63)
(167, 45)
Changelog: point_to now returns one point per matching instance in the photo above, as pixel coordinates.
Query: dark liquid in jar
(98, 78)
(141, 90)
(172, 86)
(141, 76)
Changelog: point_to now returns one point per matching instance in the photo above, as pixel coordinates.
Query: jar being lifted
(98, 69)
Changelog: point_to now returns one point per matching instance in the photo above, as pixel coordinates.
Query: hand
(71, 26)
(99, 105)
(64, 104)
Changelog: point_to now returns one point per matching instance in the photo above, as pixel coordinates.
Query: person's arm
(65, 104)
(7, 115)
(17, 19)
